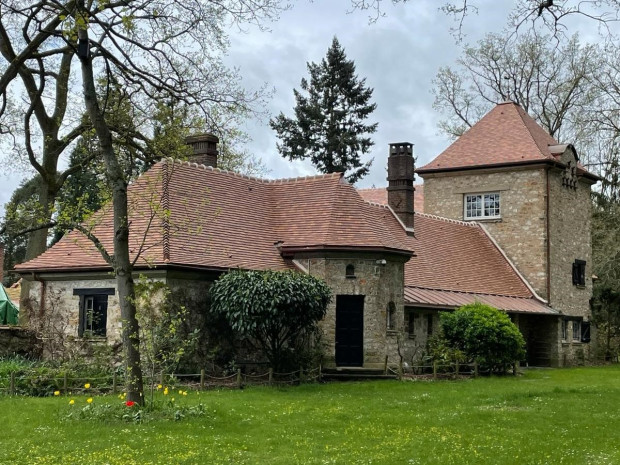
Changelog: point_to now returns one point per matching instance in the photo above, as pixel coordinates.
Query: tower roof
(506, 135)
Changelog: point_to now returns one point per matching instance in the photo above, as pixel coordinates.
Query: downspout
(548, 240)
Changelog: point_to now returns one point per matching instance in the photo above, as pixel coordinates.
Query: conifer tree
(329, 124)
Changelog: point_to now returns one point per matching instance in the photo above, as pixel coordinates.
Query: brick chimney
(205, 149)
(400, 181)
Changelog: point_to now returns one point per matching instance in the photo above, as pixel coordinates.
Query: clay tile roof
(458, 256)
(415, 296)
(379, 195)
(507, 134)
(191, 215)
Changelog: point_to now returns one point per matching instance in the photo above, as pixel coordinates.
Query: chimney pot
(205, 149)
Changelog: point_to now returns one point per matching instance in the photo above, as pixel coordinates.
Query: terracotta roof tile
(219, 219)
(450, 299)
(458, 256)
(506, 134)
(379, 195)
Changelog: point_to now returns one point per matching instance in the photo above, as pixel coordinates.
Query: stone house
(505, 222)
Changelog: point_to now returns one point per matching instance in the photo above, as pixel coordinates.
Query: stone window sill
(484, 220)
(391, 332)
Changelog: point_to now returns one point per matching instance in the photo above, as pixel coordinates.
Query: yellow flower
(87, 386)
(89, 400)
(184, 393)
(159, 386)
(180, 392)
(166, 391)
(71, 402)
(172, 400)
(56, 393)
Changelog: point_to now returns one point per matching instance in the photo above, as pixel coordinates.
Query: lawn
(564, 416)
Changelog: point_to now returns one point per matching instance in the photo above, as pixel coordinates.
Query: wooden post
(400, 369)
(385, 365)
(114, 382)
(12, 384)
(202, 379)
(320, 372)
(301, 375)
(475, 369)
(456, 368)
(239, 378)
(270, 376)
(434, 369)
(515, 368)
(65, 384)
(161, 378)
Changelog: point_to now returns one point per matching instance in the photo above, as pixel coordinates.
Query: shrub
(277, 310)
(485, 335)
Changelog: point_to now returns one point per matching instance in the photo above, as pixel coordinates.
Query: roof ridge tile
(252, 178)
(449, 220)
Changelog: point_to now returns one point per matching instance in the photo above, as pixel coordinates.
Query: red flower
(130, 403)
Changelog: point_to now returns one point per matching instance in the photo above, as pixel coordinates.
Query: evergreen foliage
(484, 334)
(329, 124)
(275, 309)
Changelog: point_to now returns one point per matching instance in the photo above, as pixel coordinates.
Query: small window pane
(482, 205)
(576, 331)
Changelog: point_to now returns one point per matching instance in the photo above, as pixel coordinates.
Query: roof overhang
(448, 300)
(292, 250)
(519, 163)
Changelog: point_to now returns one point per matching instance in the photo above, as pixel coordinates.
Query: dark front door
(350, 330)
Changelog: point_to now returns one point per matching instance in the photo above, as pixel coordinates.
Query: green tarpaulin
(8, 311)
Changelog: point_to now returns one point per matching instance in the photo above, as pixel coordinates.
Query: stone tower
(533, 197)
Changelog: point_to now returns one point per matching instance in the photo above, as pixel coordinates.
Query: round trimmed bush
(485, 335)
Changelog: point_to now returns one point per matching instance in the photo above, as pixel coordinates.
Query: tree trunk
(37, 244)
(122, 263)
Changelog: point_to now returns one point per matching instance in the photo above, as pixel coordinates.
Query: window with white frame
(481, 206)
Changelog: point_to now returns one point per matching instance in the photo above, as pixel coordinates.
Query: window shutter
(585, 331)
(575, 274)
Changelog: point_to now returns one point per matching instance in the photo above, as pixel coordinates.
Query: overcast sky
(399, 55)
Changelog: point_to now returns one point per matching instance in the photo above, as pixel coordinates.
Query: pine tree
(329, 124)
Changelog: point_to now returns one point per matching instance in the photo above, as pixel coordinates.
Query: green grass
(568, 416)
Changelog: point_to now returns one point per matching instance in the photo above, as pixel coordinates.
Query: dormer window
(481, 206)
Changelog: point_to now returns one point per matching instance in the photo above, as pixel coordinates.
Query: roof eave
(546, 161)
(289, 251)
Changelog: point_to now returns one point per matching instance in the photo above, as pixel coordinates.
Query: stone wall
(570, 239)
(418, 331)
(380, 284)
(62, 308)
(521, 231)
(17, 341)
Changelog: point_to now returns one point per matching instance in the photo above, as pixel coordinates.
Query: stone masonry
(521, 231)
(380, 284)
